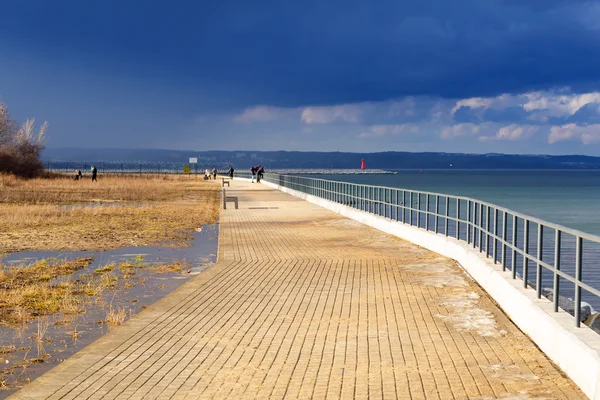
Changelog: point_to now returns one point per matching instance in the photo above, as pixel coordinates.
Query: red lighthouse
(362, 164)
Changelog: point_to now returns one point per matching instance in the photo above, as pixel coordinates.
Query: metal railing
(533, 250)
(128, 168)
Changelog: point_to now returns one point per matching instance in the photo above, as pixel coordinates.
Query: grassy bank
(48, 307)
(60, 213)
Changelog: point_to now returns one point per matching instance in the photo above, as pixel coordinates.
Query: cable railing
(549, 258)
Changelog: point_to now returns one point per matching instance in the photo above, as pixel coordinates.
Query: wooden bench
(224, 182)
(229, 198)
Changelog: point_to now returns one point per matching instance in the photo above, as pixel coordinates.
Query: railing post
(556, 286)
(427, 212)
(447, 215)
(457, 219)
(410, 219)
(419, 210)
(437, 211)
(495, 240)
(480, 227)
(386, 202)
(525, 251)
(487, 231)
(474, 225)
(540, 253)
(469, 222)
(403, 206)
(504, 238)
(397, 204)
(578, 277)
(513, 260)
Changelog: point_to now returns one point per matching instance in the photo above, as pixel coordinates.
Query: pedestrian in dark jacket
(94, 173)
(231, 172)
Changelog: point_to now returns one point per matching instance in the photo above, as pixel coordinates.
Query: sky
(472, 76)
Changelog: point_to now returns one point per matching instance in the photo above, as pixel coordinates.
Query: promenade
(304, 303)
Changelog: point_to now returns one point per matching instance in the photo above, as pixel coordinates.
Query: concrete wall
(575, 350)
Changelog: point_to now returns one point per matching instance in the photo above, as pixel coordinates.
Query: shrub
(20, 147)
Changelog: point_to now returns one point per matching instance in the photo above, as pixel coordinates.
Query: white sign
(193, 160)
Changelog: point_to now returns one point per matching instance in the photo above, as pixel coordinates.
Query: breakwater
(168, 167)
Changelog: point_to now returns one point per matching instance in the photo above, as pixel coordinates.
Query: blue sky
(514, 76)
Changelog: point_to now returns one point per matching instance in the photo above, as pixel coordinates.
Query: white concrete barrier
(575, 350)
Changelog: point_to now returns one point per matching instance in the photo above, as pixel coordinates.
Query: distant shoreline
(324, 171)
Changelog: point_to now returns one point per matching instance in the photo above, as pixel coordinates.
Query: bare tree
(20, 147)
(7, 125)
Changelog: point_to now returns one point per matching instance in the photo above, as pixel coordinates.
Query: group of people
(93, 169)
(210, 174)
(257, 173)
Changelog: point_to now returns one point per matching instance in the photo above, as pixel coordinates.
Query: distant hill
(337, 160)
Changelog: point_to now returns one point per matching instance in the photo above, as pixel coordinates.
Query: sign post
(194, 160)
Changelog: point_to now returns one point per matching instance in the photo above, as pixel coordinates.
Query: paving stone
(305, 303)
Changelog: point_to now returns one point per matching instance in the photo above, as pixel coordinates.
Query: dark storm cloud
(321, 52)
(463, 75)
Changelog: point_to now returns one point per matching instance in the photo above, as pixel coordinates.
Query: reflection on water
(202, 252)
(30, 350)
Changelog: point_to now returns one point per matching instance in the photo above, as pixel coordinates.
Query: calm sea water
(568, 198)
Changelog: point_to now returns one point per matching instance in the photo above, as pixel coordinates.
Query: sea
(566, 197)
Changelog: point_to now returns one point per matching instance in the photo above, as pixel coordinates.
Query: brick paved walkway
(306, 304)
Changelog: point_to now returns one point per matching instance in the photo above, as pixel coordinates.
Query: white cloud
(385, 130)
(458, 130)
(559, 104)
(512, 132)
(351, 113)
(428, 116)
(541, 104)
(499, 102)
(258, 114)
(588, 134)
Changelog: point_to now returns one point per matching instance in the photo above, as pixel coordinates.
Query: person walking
(261, 173)
(94, 173)
(214, 172)
(231, 172)
(206, 174)
(258, 168)
(253, 170)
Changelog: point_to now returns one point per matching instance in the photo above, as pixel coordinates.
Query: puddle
(201, 254)
(25, 357)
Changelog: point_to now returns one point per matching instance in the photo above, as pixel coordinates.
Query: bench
(229, 198)
(224, 182)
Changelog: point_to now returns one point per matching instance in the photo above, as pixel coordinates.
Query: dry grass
(104, 269)
(62, 189)
(116, 317)
(126, 211)
(30, 291)
(169, 268)
(34, 291)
